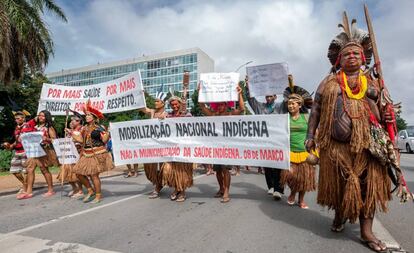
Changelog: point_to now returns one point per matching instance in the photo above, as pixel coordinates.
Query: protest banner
(66, 151)
(31, 144)
(255, 140)
(218, 87)
(122, 94)
(267, 79)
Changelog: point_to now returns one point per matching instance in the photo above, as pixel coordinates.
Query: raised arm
(256, 106)
(241, 109)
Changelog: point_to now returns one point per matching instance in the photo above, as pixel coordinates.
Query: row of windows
(143, 66)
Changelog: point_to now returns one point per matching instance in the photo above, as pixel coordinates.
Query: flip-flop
(337, 228)
(290, 203)
(154, 195)
(180, 199)
(303, 206)
(225, 200)
(173, 196)
(88, 198)
(218, 194)
(370, 243)
(48, 194)
(26, 196)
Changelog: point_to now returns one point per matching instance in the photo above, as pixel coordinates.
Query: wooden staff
(186, 83)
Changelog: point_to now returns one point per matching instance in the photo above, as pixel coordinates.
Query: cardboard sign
(269, 79)
(66, 151)
(31, 144)
(218, 87)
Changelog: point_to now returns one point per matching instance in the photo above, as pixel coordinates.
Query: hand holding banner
(218, 87)
(31, 144)
(267, 79)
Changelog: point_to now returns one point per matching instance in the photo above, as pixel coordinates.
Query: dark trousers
(273, 179)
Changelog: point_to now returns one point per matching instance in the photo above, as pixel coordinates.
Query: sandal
(48, 194)
(173, 196)
(180, 198)
(78, 195)
(89, 197)
(303, 205)
(225, 200)
(375, 245)
(26, 196)
(154, 195)
(219, 194)
(290, 203)
(338, 227)
(97, 198)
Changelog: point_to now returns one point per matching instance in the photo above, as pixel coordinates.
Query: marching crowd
(353, 181)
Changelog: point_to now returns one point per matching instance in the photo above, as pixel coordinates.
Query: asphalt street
(127, 221)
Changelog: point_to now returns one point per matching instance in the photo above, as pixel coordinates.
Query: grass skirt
(91, 165)
(152, 173)
(66, 174)
(300, 177)
(178, 175)
(43, 162)
(351, 183)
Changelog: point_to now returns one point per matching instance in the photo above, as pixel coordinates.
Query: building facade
(160, 70)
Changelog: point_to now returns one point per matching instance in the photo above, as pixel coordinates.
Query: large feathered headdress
(300, 93)
(89, 108)
(351, 36)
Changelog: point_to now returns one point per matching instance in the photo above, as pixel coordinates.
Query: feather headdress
(351, 36)
(88, 108)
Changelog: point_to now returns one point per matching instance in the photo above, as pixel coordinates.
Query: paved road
(399, 220)
(127, 221)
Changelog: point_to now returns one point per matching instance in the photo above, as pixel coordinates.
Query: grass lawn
(53, 170)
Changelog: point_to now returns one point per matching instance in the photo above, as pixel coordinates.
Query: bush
(5, 159)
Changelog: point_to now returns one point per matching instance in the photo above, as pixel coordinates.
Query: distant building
(156, 70)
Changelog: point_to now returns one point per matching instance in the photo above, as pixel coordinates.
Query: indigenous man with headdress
(17, 166)
(66, 174)
(94, 158)
(301, 175)
(351, 180)
(42, 123)
(181, 176)
(222, 171)
(154, 171)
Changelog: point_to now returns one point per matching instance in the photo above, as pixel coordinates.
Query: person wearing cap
(95, 158)
(272, 175)
(155, 172)
(17, 166)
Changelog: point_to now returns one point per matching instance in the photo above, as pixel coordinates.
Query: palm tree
(24, 37)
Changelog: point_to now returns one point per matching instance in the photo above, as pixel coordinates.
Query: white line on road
(5, 236)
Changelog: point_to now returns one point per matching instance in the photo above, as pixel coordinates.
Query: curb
(14, 191)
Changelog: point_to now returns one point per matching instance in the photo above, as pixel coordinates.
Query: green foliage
(401, 124)
(5, 158)
(195, 110)
(25, 40)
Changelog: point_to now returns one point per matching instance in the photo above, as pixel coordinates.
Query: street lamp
(243, 65)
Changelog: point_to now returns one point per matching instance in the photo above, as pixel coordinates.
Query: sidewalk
(10, 185)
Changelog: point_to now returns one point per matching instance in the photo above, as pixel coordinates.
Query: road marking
(5, 236)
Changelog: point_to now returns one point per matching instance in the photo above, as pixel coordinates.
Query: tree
(401, 124)
(24, 37)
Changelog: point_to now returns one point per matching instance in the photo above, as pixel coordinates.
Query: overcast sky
(235, 32)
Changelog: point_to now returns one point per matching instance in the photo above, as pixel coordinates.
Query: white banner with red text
(122, 94)
(254, 140)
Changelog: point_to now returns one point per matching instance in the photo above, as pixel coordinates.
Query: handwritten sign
(218, 87)
(122, 94)
(66, 151)
(256, 140)
(267, 79)
(31, 144)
